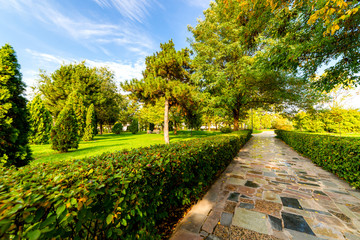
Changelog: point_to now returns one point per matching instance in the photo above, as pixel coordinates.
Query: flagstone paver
(270, 192)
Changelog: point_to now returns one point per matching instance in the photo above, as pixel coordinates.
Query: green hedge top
(114, 195)
(340, 155)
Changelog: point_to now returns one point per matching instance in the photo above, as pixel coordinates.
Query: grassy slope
(111, 143)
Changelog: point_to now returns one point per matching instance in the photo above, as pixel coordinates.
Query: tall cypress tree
(77, 102)
(90, 129)
(64, 135)
(14, 125)
(40, 121)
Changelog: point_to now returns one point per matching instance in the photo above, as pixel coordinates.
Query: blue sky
(118, 34)
(114, 33)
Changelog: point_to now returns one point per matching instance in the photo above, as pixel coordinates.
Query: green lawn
(110, 143)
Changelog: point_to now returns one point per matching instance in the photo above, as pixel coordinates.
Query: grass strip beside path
(111, 143)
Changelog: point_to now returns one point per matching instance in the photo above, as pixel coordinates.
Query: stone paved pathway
(271, 192)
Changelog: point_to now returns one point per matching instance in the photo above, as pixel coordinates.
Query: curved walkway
(271, 192)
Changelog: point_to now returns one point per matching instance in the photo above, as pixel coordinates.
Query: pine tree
(40, 121)
(64, 134)
(77, 102)
(90, 129)
(167, 75)
(14, 125)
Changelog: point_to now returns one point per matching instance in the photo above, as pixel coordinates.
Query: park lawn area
(111, 143)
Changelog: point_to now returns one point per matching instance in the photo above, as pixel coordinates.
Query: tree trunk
(166, 122)
(101, 128)
(236, 119)
(175, 127)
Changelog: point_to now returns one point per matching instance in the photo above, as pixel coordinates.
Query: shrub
(64, 134)
(120, 195)
(340, 155)
(225, 130)
(117, 128)
(14, 125)
(134, 126)
(151, 126)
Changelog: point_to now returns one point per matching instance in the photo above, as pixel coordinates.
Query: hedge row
(118, 195)
(340, 155)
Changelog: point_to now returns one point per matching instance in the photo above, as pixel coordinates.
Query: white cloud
(136, 10)
(48, 58)
(122, 70)
(83, 28)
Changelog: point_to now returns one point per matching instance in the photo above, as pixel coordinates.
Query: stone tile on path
(296, 223)
(226, 219)
(250, 220)
(271, 192)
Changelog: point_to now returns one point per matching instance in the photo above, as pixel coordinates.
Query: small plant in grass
(117, 128)
(64, 134)
(225, 130)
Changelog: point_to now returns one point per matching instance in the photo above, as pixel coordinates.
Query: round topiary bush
(225, 130)
(117, 128)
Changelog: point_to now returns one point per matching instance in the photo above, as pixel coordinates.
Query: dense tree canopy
(301, 36)
(166, 76)
(96, 85)
(227, 67)
(14, 125)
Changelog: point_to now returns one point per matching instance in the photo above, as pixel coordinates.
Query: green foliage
(335, 120)
(151, 126)
(134, 126)
(40, 121)
(96, 85)
(64, 135)
(90, 129)
(120, 195)
(166, 77)
(340, 155)
(225, 64)
(117, 128)
(14, 125)
(301, 36)
(225, 129)
(77, 102)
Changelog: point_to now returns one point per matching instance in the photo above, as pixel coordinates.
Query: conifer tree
(40, 121)
(77, 102)
(14, 125)
(90, 128)
(167, 76)
(64, 134)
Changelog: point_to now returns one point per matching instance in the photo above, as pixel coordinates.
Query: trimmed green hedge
(117, 195)
(340, 155)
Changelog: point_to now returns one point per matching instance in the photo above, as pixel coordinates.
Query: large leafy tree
(226, 68)
(302, 36)
(40, 121)
(167, 76)
(96, 85)
(14, 125)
